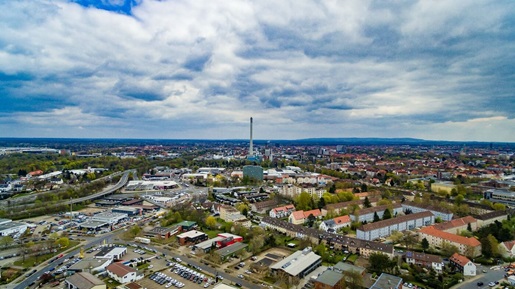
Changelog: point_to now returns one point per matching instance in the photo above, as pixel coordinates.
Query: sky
(182, 69)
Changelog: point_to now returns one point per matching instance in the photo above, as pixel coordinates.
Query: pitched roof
(459, 259)
(366, 211)
(315, 213)
(427, 207)
(450, 237)
(342, 219)
(298, 215)
(84, 280)
(397, 220)
(284, 208)
(509, 244)
(455, 223)
(120, 270)
(423, 257)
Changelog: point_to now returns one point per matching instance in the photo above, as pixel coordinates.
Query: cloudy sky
(439, 70)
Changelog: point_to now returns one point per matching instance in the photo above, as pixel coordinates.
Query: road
(489, 276)
(41, 270)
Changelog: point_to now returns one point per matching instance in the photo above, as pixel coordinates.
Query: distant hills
(65, 142)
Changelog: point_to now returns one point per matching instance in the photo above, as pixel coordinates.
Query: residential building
(123, 274)
(330, 279)
(230, 214)
(490, 218)
(412, 207)
(436, 238)
(426, 260)
(333, 225)
(262, 207)
(282, 212)
(337, 208)
(367, 214)
(458, 225)
(83, 280)
(385, 228)
(387, 281)
(298, 264)
(463, 265)
(300, 217)
(507, 249)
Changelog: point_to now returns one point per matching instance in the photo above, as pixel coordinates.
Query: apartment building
(436, 238)
(385, 228)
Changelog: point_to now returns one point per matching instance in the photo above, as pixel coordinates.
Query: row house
(338, 242)
(436, 238)
(425, 260)
(262, 207)
(385, 228)
(282, 212)
(367, 214)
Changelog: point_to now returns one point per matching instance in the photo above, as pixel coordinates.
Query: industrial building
(10, 228)
(191, 237)
(109, 217)
(298, 264)
(84, 280)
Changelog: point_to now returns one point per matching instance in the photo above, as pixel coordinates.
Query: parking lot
(177, 275)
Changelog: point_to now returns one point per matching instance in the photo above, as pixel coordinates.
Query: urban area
(91, 214)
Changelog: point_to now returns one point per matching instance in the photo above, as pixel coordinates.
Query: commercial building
(112, 252)
(109, 217)
(123, 274)
(330, 279)
(387, 281)
(253, 172)
(347, 267)
(298, 264)
(91, 265)
(129, 211)
(231, 250)
(502, 196)
(385, 228)
(10, 228)
(187, 225)
(84, 280)
(163, 232)
(191, 237)
(463, 265)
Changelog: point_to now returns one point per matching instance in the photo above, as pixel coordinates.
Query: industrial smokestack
(251, 147)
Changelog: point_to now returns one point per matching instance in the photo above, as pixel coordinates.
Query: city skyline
(300, 69)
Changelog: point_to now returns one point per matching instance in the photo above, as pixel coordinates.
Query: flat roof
(330, 277)
(224, 252)
(224, 286)
(387, 281)
(11, 225)
(208, 243)
(93, 224)
(297, 262)
(88, 263)
(191, 234)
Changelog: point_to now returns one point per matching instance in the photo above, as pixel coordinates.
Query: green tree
(425, 244)
(469, 227)
(489, 246)
(366, 203)
(352, 279)
(448, 249)
(364, 188)
(63, 242)
(135, 230)
(211, 222)
(303, 201)
(379, 263)
(376, 217)
(396, 236)
(321, 203)
(387, 214)
(6, 241)
(311, 220)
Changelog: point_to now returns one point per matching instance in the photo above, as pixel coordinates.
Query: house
(387, 281)
(83, 280)
(335, 224)
(507, 248)
(282, 212)
(463, 265)
(436, 238)
(123, 274)
(425, 260)
(300, 217)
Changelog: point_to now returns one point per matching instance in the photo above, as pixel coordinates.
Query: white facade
(443, 215)
(469, 269)
(377, 230)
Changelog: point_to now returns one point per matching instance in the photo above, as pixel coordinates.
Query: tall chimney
(251, 148)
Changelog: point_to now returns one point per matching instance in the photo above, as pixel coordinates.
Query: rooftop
(330, 277)
(450, 237)
(297, 262)
(387, 281)
(396, 220)
(84, 280)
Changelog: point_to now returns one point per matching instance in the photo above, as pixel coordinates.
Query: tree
(211, 222)
(469, 227)
(396, 236)
(135, 230)
(387, 214)
(448, 249)
(352, 279)
(364, 188)
(459, 200)
(303, 201)
(409, 240)
(379, 263)
(256, 243)
(332, 189)
(311, 220)
(366, 203)
(63, 242)
(425, 244)
(376, 217)
(489, 246)
(321, 203)
(499, 207)
(6, 241)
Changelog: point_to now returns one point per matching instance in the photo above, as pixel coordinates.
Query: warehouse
(130, 211)
(109, 217)
(298, 264)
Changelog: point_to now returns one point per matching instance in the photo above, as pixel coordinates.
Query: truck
(142, 240)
